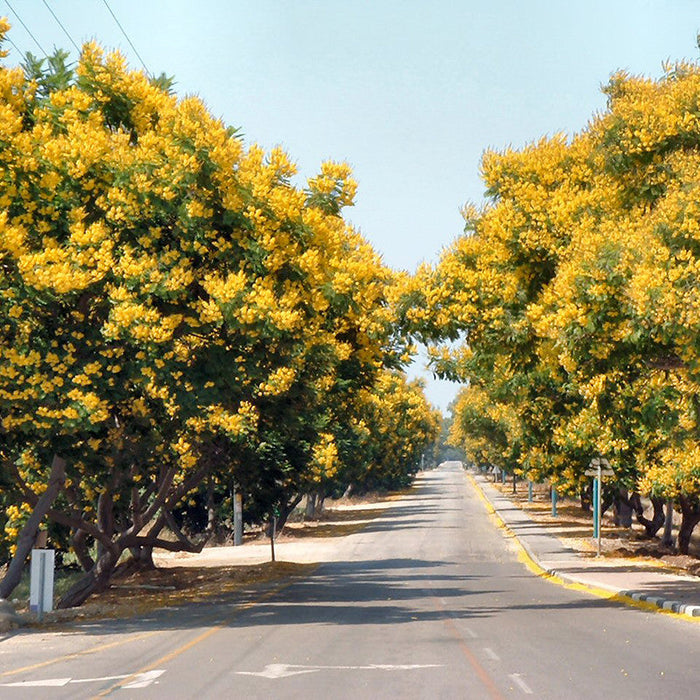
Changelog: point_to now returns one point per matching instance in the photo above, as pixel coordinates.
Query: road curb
(635, 599)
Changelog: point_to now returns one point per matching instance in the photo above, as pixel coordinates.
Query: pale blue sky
(409, 93)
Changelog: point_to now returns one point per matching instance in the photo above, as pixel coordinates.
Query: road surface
(428, 601)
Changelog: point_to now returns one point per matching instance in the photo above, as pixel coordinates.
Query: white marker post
(41, 581)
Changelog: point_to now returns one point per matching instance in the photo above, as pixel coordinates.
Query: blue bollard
(596, 525)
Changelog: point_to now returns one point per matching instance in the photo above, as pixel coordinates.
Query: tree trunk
(623, 509)
(286, 511)
(95, 581)
(211, 509)
(607, 499)
(586, 497)
(310, 506)
(142, 558)
(237, 519)
(27, 536)
(651, 527)
(667, 539)
(691, 517)
(515, 481)
(79, 544)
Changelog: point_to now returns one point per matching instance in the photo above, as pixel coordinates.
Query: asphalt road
(430, 601)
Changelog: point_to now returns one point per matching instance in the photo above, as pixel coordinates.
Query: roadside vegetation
(178, 319)
(571, 305)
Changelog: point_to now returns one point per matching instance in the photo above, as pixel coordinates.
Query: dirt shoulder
(574, 527)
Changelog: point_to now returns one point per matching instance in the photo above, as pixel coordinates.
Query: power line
(14, 12)
(7, 38)
(65, 31)
(106, 4)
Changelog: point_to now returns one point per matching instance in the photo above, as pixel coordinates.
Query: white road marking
(278, 671)
(284, 670)
(141, 680)
(491, 654)
(521, 683)
(470, 632)
(49, 682)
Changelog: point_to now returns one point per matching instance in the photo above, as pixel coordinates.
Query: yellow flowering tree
(384, 433)
(173, 311)
(574, 295)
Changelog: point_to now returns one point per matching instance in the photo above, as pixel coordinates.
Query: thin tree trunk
(27, 535)
(652, 526)
(623, 509)
(79, 544)
(310, 506)
(211, 509)
(691, 517)
(286, 510)
(667, 539)
(586, 497)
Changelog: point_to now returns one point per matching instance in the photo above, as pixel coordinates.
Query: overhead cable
(65, 31)
(14, 12)
(126, 36)
(16, 48)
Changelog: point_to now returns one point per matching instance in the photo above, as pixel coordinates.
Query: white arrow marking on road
(278, 671)
(284, 670)
(55, 682)
(521, 683)
(141, 680)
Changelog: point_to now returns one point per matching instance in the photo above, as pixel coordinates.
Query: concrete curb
(628, 597)
(672, 605)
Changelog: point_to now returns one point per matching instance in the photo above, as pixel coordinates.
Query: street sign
(603, 472)
(599, 466)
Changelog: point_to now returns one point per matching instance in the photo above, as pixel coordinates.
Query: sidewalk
(637, 581)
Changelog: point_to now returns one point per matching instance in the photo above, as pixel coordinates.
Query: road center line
(480, 671)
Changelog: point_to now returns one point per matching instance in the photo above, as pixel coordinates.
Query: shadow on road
(386, 592)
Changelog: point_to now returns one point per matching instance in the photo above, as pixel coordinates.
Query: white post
(41, 581)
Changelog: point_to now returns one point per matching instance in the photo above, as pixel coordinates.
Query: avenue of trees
(178, 319)
(572, 303)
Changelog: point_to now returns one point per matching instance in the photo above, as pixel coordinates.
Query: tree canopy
(574, 297)
(175, 314)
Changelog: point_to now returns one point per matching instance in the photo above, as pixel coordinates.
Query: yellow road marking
(193, 642)
(535, 568)
(77, 654)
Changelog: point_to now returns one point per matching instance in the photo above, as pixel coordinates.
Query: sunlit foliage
(575, 295)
